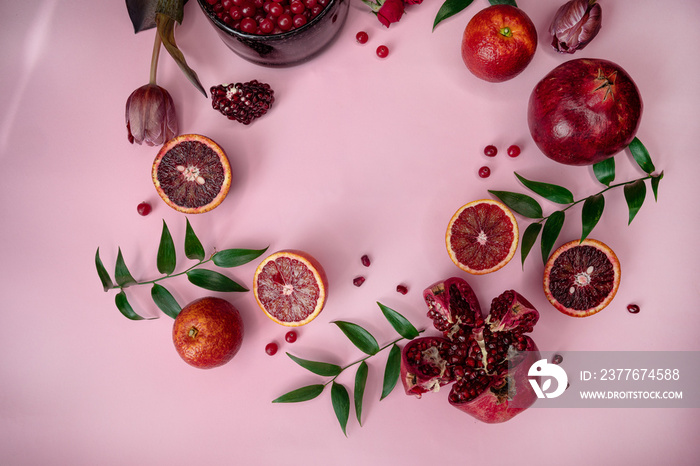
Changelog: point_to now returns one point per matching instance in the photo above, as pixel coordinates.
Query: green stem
(368, 356)
(154, 59)
(156, 280)
(597, 194)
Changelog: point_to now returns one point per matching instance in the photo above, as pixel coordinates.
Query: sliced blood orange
(581, 278)
(290, 286)
(192, 173)
(482, 236)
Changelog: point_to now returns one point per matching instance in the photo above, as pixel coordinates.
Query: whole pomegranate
(584, 111)
(208, 332)
(487, 358)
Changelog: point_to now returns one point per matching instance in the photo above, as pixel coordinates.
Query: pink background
(358, 155)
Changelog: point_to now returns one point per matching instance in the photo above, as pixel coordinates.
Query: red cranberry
(266, 26)
(557, 359)
(358, 281)
(490, 151)
(402, 289)
(212, 2)
(249, 25)
(484, 172)
(275, 9)
(514, 150)
(285, 22)
(299, 20)
(226, 4)
(382, 51)
(297, 7)
(291, 336)
(362, 37)
(271, 348)
(144, 208)
(633, 308)
(365, 260)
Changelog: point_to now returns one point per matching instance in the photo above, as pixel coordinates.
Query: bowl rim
(266, 37)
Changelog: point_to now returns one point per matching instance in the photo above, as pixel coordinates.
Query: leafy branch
(452, 7)
(550, 226)
(365, 342)
(166, 261)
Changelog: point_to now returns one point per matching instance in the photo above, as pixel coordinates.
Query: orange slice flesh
(582, 278)
(482, 236)
(290, 287)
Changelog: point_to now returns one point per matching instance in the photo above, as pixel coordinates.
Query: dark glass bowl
(288, 48)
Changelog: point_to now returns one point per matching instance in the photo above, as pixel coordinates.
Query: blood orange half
(192, 174)
(290, 287)
(482, 236)
(581, 278)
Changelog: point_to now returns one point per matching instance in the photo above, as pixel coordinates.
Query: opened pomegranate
(486, 358)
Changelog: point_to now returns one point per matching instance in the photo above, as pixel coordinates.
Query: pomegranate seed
(557, 359)
(365, 260)
(358, 281)
(362, 37)
(633, 308)
(490, 151)
(402, 289)
(144, 208)
(514, 151)
(271, 348)
(291, 336)
(382, 51)
(484, 172)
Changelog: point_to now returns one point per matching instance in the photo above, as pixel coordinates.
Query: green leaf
(634, 195)
(391, 371)
(529, 238)
(306, 393)
(166, 252)
(124, 307)
(319, 368)
(165, 301)
(590, 213)
(166, 30)
(341, 404)
(655, 185)
(173, 9)
(360, 337)
(142, 13)
(641, 155)
(121, 272)
(605, 171)
(236, 257)
(360, 383)
(550, 233)
(551, 192)
(102, 272)
(193, 247)
(503, 2)
(450, 8)
(214, 281)
(399, 322)
(520, 203)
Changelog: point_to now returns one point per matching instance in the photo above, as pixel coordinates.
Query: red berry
(490, 151)
(365, 260)
(557, 359)
(633, 308)
(144, 208)
(484, 172)
(291, 336)
(249, 25)
(514, 150)
(271, 348)
(402, 289)
(358, 281)
(285, 22)
(362, 37)
(382, 51)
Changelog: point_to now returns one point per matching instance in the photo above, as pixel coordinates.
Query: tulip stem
(154, 59)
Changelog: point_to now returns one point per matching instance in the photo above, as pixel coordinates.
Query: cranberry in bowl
(276, 33)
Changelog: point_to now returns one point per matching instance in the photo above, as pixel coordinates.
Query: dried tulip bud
(150, 116)
(575, 24)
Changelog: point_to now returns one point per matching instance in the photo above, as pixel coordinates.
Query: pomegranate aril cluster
(242, 102)
(266, 17)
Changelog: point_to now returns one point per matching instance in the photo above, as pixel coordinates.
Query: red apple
(584, 111)
(208, 332)
(498, 43)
